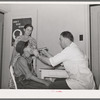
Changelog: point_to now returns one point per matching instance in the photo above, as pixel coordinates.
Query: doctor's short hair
(67, 34)
(20, 47)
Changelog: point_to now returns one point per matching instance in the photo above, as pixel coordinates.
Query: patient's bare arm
(45, 52)
(44, 59)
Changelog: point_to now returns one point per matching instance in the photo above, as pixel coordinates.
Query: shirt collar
(71, 45)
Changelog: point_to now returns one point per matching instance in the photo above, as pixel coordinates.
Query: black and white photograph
(49, 46)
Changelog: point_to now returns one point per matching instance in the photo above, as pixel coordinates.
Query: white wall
(52, 20)
(5, 7)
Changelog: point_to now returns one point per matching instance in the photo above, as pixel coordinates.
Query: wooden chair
(12, 82)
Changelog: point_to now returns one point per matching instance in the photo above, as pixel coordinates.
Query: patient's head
(23, 48)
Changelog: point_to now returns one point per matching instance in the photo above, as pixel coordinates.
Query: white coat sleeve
(60, 58)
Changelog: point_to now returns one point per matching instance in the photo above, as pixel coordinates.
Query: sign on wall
(17, 27)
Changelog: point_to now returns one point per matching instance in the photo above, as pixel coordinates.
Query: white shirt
(76, 65)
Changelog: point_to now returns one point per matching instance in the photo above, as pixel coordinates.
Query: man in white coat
(75, 64)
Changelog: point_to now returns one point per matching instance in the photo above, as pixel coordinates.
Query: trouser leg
(61, 84)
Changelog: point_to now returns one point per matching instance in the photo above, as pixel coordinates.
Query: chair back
(13, 77)
(34, 64)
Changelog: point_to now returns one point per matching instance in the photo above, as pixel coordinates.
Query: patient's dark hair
(20, 46)
(67, 34)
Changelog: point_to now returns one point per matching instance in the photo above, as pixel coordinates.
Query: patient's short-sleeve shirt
(22, 67)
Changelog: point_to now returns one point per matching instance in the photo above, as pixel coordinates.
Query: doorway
(1, 44)
(95, 42)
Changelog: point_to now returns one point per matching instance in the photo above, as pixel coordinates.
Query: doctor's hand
(45, 53)
(35, 52)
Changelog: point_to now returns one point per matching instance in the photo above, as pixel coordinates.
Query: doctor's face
(62, 42)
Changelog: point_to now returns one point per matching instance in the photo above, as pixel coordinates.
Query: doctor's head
(66, 38)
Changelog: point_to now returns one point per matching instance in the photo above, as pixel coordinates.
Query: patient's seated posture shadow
(25, 77)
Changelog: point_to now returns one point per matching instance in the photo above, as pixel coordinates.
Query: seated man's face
(27, 51)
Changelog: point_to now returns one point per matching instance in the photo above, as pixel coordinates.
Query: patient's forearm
(37, 79)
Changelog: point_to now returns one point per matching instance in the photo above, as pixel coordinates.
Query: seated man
(74, 61)
(23, 76)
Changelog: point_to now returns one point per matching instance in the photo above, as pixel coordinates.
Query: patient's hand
(47, 83)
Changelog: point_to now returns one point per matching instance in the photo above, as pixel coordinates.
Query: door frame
(91, 5)
(91, 56)
(1, 57)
